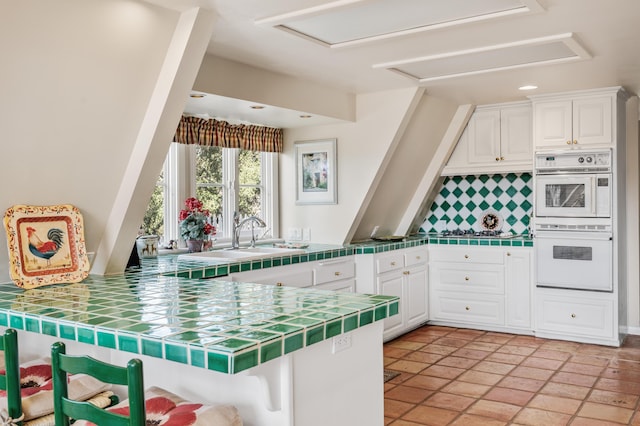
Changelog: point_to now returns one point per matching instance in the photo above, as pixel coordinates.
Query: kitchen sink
(248, 253)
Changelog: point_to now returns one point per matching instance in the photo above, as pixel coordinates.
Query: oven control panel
(573, 161)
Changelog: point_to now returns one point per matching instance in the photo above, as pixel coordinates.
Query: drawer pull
(406, 272)
(279, 284)
(573, 315)
(337, 273)
(466, 308)
(393, 263)
(466, 278)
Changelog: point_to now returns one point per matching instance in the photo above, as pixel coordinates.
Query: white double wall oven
(573, 220)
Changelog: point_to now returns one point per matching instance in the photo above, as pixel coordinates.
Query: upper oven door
(574, 260)
(565, 195)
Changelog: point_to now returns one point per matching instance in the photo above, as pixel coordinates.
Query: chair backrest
(65, 408)
(10, 381)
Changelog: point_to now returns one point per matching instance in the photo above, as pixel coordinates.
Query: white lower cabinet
(331, 274)
(481, 286)
(335, 274)
(401, 273)
(584, 316)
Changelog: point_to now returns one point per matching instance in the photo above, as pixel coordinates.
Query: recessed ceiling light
(197, 95)
(256, 107)
(305, 116)
(528, 87)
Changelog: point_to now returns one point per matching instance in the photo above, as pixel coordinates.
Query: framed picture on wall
(316, 172)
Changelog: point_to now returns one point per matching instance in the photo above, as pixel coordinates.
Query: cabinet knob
(393, 263)
(418, 258)
(573, 315)
(501, 158)
(497, 158)
(508, 253)
(575, 142)
(568, 142)
(279, 284)
(466, 278)
(406, 272)
(466, 308)
(466, 256)
(337, 273)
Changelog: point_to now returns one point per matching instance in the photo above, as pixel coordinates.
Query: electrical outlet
(306, 234)
(294, 234)
(341, 342)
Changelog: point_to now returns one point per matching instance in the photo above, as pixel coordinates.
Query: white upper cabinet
(496, 139)
(576, 120)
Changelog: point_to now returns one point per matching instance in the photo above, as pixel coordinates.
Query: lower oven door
(574, 260)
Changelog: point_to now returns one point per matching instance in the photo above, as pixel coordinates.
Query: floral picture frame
(316, 172)
(46, 245)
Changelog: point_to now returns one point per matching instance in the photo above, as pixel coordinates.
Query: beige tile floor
(453, 376)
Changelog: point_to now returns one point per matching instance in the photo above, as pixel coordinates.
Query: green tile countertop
(222, 326)
(519, 241)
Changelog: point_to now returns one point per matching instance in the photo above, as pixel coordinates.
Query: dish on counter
(291, 245)
(389, 238)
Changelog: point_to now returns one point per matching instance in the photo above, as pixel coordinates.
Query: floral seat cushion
(167, 409)
(37, 388)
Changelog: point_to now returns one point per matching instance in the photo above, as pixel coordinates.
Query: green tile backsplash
(462, 200)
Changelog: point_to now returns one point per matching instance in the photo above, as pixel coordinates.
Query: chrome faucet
(237, 227)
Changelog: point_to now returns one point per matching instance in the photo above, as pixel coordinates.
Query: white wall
(79, 83)
(361, 149)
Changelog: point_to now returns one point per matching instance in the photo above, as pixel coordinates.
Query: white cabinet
(496, 139)
(583, 316)
(481, 286)
(335, 274)
(297, 275)
(576, 120)
(401, 273)
(332, 274)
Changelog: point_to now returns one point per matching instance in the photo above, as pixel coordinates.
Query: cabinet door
(516, 134)
(518, 287)
(416, 296)
(484, 137)
(391, 285)
(592, 120)
(553, 124)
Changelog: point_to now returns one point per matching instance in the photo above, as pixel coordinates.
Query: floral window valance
(212, 132)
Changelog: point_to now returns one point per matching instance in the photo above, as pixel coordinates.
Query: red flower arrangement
(194, 221)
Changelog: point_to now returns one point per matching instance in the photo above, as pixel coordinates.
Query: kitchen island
(282, 355)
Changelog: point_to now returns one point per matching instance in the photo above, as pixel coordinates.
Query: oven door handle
(600, 236)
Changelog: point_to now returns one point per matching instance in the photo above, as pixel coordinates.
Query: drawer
(416, 256)
(291, 276)
(467, 277)
(467, 307)
(575, 313)
(389, 261)
(467, 254)
(328, 271)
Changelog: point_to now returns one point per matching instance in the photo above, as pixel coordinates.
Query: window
(226, 180)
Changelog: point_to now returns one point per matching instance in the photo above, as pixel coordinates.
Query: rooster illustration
(45, 249)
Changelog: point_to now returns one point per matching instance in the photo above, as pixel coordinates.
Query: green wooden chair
(66, 409)
(10, 381)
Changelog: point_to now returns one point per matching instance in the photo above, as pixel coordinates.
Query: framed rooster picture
(46, 245)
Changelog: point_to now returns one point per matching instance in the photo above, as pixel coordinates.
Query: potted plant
(194, 224)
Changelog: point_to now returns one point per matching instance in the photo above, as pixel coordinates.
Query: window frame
(180, 184)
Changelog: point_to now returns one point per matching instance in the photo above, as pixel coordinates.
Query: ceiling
(476, 52)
